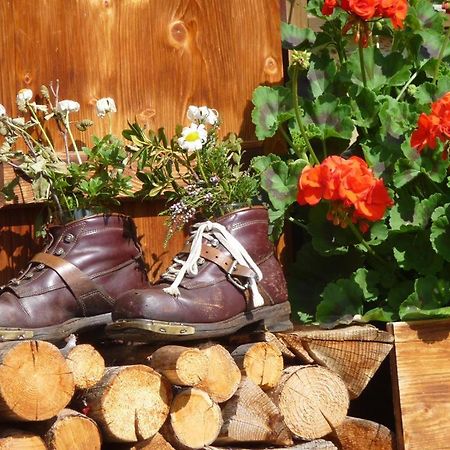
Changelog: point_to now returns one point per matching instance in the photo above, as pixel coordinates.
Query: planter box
(420, 366)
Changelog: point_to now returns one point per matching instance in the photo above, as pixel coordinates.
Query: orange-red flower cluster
(364, 10)
(350, 186)
(433, 126)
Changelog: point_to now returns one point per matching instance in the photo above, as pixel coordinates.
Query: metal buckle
(236, 282)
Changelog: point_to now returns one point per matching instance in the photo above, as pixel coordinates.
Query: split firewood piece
(262, 362)
(223, 377)
(318, 444)
(354, 352)
(72, 430)
(130, 403)
(312, 399)
(250, 416)
(355, 434)
(262, 336)
(183, 366)
(195, 419)
(35, 381)
(13, 439)
(86, 364)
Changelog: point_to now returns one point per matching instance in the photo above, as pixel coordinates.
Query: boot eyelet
(59, 252)
(201, 261)
(40, 266)
(68, 238)
(214, 243)
(28, 276)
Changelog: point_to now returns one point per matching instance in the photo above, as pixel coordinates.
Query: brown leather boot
(73, 283)
(225, 278)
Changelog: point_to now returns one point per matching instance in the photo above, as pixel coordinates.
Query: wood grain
(421, 383)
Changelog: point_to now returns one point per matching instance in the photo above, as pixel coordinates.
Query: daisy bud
(105, 105)
(202, 114)
(67, 106)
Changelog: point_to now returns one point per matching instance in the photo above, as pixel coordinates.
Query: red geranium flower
(350, 187)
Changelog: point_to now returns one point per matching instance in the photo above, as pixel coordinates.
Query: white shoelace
(213, 231)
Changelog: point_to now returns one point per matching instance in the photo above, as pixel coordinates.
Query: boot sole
(55, 333)
(274, 318)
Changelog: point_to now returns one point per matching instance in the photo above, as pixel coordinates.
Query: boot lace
(212, 231)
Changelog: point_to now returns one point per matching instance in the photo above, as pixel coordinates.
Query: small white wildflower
(67, 106)
(38, 107)
(2, 110)
(202, 114)
(193, 137)
(105, 105)
(20, 121)
(24, 95)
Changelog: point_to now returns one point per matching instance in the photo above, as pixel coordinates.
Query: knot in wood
(177, 33)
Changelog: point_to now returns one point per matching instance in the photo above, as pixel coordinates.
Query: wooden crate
(420, 366)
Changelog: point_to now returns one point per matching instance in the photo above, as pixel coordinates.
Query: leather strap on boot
(77, 281)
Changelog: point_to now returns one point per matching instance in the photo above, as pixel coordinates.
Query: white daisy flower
(24, 95)
(2, 110)
(67, 106)
(105, 105)
(193, 137)
(202, 114)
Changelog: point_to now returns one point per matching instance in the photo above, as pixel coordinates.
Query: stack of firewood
(289, 390)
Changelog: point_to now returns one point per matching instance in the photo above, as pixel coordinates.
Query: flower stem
(298, 115)
(67, 125)
(287, 138)
(361, 63)
(413, 77)
(200, 166)
(441, 55)
(39, 124)
(361, 239)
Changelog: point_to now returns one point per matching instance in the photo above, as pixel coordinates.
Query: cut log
(355, 352)
(35, 381)
(182, 366)
(261, 336)
(250, 416)
(195, 419)
(130, 403)
(86, 365)
(318, 444)
(223, 377)
(71, 430)
(312, 399)
(262, 362)
(13, 439)
(355, 434)
(157, 442)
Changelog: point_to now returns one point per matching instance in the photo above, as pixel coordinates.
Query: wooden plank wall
(154, 57)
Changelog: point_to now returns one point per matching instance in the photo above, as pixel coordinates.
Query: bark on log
(312, 399)
(355, 434)
(355, 352)
(195, 419)
(130, 403)
(86, 364)
(250, 416)
(35, 381)
(13, 439)
(72, 430)
(262, 362)
(183, 366)
(223, 377)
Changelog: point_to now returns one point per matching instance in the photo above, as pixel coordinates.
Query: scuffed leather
(209, 296)
(104, 247)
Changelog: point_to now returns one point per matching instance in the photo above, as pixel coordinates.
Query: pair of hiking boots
(92, 274)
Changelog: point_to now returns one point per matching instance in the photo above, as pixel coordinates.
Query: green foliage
(201, 183)
(365, 102)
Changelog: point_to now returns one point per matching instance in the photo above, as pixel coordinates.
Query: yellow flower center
(192, 136)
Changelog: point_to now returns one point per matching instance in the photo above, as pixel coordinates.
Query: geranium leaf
(431, 45)
(389, 109)
(321, 73)
(440, 231)
(342, 298)
(378, 315)
(261, 163)
(293, 37)
(332, 117)
(272, 107)
(367, 108)
(405, 171)
(367, 281)
(413, 251)
(426, 94)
